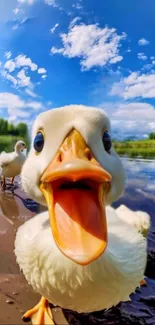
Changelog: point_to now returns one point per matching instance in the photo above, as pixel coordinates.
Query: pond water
(139, 195)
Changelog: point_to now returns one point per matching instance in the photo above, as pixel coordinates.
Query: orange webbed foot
(143, 282)
(39, 315)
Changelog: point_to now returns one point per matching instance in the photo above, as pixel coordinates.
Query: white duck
(12, 162)
(79, 254)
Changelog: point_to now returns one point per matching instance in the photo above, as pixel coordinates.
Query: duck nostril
(60, 158)
(88, 154)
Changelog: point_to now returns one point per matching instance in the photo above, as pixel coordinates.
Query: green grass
(7, 142)
(143, 148)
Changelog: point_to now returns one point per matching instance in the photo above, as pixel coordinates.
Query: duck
(12, 162)
(79, 254)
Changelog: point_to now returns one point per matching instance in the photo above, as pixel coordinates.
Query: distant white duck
(12, 162)
(79, 255)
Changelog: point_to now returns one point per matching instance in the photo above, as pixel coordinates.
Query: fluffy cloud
(20, 78)
(142, 56)
(50, 2)
(20, 61)
(9, 65)
(135, 85)
(10, 78)
(143, 42)
(131, 119)
(41, 70)
(24, 80)
(17, 107)
(94, 45)
(11, 101)
(52, 30)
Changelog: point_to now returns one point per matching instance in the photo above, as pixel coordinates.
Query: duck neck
(17, 150)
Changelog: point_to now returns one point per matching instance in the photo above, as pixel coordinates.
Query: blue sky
(98, 53)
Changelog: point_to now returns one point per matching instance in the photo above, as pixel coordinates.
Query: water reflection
(8, 205)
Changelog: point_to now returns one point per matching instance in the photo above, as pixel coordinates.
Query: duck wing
(6, 158)
(139, 219)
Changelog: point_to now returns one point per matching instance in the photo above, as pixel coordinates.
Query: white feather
(139, 219)
(101, 284)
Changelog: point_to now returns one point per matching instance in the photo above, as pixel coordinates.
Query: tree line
(152, 135)
(7, 128)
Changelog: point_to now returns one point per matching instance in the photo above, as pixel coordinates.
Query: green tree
(152, 135)
(22, 129)
(3, 126)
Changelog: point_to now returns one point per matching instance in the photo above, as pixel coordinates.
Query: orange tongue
(79, 224)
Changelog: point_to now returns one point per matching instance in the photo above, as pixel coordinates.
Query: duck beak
(74, 186)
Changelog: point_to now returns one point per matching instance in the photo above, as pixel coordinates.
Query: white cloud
(9, 100)
(135, 85)
(42, 71)
(142, 56)
(77, 6)
(131, 119)
(54, 50)
(23, 61)
(10, 78)
(73, 22)
(94, 45)
(14, 27)
(44, 76)
(143, 42)
(20, 61)
(23, 79)
(10, 65)
(16, 106)
(35, 105)
(13, 114)
(29, 2)
(16, 11)
(31, 93)
(8, 55)
(52, 30)
(50, 2)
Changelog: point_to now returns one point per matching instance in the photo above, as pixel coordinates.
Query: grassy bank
(142, 148)
(7, 142)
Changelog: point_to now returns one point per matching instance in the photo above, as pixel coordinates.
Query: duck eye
(107, 141)
(39, 142)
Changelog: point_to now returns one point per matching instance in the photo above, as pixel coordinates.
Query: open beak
(74, 186)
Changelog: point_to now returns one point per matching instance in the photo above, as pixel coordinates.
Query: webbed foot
(39, 315)
(143, 282)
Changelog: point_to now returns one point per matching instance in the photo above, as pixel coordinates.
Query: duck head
(20, 146)
(73, 169)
